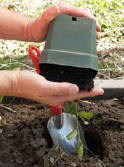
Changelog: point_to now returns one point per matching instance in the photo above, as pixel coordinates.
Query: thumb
(63, 88)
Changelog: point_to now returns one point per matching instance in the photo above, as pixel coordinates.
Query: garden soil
(25, 140)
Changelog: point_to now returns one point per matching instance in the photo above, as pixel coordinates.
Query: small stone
(3, 122)
(52, 160)
(73, 164)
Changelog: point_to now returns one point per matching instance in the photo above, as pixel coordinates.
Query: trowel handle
(35, 58)
(55, 110)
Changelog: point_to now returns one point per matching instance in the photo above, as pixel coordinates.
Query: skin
(28, 84)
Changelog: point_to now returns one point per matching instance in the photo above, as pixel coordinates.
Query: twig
(25, 65)
(58, 156)
(111, 69)
(115, 120)
(7, 108)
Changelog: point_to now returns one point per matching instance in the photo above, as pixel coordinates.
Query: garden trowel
(60, 124)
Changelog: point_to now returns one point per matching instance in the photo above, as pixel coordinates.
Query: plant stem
(78, 133)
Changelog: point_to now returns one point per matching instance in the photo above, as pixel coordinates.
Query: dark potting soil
(25, 140)
(82, 77)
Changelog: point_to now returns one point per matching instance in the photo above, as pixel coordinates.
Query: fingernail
(101, 91)
(73, 89)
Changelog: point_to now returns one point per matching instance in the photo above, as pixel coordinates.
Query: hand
(33, 86)
(37, 29)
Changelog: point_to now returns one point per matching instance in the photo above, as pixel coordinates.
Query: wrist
(8, 83)
(13, 26)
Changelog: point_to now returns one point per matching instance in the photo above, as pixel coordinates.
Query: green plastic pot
(72, 42)
(70, 47)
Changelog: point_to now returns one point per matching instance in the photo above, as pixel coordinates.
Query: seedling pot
(69, 54)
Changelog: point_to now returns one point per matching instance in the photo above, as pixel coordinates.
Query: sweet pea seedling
(85, 117)
(72, 134)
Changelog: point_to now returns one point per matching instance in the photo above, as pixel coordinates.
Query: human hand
(33, 86)
(37, 29)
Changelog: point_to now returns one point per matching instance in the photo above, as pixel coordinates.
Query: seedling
(85, 117)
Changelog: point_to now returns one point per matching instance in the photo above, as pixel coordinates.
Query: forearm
(8, 83)
(14, 26)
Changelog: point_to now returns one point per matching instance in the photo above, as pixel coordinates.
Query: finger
(64, 8)
(87, 14)
(56, 100)
(83, 94)
(49, 14)
(55, 88)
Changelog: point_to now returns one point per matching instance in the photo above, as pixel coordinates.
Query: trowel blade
(59, 136)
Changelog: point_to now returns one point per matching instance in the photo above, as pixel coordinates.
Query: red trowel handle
(35, 58)
(55, 110)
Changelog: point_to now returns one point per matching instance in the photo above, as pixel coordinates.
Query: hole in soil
(94, 143)
(74, 19)
(47, 137)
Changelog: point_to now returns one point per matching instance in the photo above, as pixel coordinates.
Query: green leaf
(80, 149)
(1, 99)
(71, 109)
(85, 115)
(72, 134)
